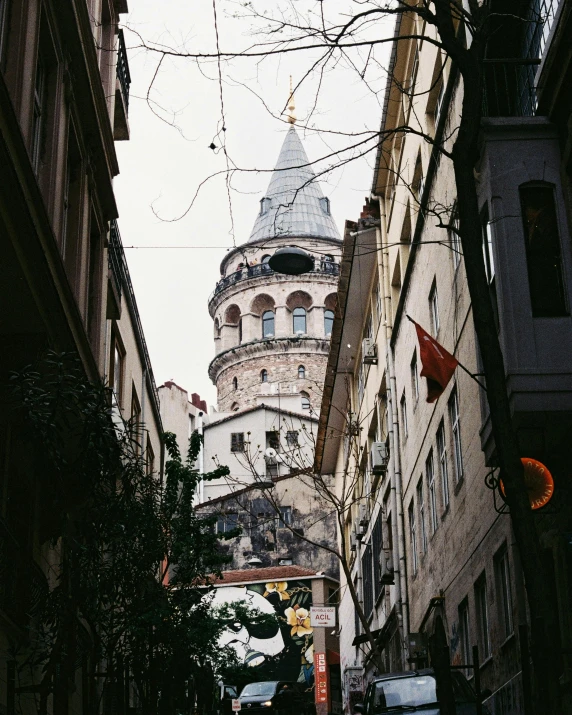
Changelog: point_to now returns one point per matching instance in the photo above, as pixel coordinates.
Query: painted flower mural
(299, 619)
(278, 587)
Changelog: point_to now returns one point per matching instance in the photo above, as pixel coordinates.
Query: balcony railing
(263, 269)
(123, 74)
(23, 586)
(120, 270)
(509, 89)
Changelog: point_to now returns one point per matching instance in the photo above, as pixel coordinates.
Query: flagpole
(459, 364)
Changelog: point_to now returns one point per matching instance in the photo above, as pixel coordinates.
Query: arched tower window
(264, 376)
(235, 383)
(299, 320)
(305, 400)
(268, 324)
(240, 330)
(328, 321)
(301, 372)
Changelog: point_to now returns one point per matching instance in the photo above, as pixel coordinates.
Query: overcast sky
(176, 263)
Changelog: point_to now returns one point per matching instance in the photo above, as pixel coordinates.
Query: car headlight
(267, 704)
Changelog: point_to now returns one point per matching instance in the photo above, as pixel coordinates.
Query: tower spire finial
(291, 105)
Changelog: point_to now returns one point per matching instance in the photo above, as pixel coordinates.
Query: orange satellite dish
(538, 480)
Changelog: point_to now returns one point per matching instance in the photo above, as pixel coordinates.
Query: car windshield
(419, 690)
(258, 689)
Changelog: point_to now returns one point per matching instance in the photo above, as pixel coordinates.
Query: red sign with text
(321, 677)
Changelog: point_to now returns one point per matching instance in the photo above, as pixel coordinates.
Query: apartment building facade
(64, 94)
(455, 564)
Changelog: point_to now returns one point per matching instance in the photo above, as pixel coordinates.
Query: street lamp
(291, 260)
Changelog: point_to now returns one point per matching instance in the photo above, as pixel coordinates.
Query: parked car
(415, 690)
(224, 696)
(276, 696)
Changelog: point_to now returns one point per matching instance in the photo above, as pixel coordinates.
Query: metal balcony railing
(23, 586)
(509, 89)
(123, 74)
(263, 269)
(118, 266)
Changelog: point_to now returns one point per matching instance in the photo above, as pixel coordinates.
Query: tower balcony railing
(263, 269)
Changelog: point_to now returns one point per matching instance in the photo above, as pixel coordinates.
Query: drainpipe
(399, 556)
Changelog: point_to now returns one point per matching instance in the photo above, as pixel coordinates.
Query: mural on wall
(284, 651)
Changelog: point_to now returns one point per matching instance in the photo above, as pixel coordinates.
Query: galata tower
(272, 331)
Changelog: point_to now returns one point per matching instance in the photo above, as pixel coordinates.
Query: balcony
(263, 269)
(509, 87)
(23, 585)
(123, 82)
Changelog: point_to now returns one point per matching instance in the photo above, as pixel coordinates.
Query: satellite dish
(271, 453)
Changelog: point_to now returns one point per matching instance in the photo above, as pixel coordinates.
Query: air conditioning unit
(363, 515)
(369, 351)
(387, 575)
(379, 458)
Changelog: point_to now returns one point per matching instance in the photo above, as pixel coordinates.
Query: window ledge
(486, 661)
(507, 640)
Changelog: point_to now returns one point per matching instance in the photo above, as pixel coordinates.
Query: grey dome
(294, 205)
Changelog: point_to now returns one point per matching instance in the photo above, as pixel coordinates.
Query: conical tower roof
(294, 205)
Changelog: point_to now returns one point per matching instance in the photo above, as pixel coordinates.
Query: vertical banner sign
(321, 677)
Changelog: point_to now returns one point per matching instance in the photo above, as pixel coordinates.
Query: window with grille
(414, 378)
(504, 592)
(456, 434)
(432, 491)
(292, 438)
(434, 309)
(377, 545)
(413, 536)
(483, 617)
(421, 506)
(442, 456)
(237, 442)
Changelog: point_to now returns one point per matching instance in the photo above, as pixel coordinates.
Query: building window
(328, 322)
(414, 378)
(264, 205)
(442, 455)
(285, 518)
(264, 376)
(116, 369)
(268, 324)
(413, 536)
(237, 442)
(456, 433)
(377, 545)
(439, 102)
(421, 506)
(504, 592)
(543, 252)
(135, 420)
(483, 617)
(434, 308)
(264, 260)
(464, 634)
(430, 472)
(292, 438)
(455, 240)
(273, 440)
(38, 118)
(325, 204)
(305, 401)
(150, 457)
(240, 331)
(414, 70)
(367, 577)
(301, 372)
(3, 28)
(299, 321)
(235, 383)
(227, 522)
(403, 405)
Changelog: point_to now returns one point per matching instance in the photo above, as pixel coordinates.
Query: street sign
(235, 706)
(324, 616)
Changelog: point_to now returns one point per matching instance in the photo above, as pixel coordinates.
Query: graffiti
(285, 650)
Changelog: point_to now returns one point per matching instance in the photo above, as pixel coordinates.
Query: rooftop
(268, 574)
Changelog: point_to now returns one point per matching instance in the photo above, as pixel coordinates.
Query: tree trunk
(465, 155)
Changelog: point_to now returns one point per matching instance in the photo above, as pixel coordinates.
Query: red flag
(438, 364)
